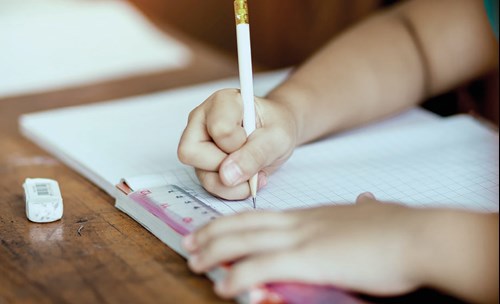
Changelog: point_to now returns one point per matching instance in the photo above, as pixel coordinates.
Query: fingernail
(188, 243)
(232, 173)
(368, 195)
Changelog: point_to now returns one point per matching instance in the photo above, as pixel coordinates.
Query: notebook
(450, 163)
(441, 163)
(414, 158)
(93, 134)
(445, 163)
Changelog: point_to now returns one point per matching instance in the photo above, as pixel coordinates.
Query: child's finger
(224, 120)
(263, 147)
(233, 246)
(196, 147)
(366, 197)
(240, 222)
(212, 183)
(279, 266)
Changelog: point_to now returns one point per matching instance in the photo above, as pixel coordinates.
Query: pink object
(171, 220)
(297, 293)
(276, 293)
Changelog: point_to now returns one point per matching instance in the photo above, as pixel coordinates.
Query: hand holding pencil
(215, 143)
(233, 147)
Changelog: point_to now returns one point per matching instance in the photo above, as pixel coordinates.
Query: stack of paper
(136, 136)
(414, 158)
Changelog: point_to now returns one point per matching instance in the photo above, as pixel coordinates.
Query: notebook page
(127, 137)
(139, 135)
(450, 163)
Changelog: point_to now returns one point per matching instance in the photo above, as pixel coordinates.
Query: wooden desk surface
(113, 259)
(95, 254)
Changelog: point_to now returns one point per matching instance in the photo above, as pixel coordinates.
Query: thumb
(262, 148)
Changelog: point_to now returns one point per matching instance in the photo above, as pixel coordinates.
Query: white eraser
(44, 202)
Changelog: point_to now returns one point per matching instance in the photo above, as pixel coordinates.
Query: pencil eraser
(44, 203)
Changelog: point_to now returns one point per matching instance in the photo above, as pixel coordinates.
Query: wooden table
(95, 254)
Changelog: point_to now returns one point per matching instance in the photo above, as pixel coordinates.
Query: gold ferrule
(241, 11)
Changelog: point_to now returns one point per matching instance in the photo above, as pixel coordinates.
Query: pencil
(246, 78)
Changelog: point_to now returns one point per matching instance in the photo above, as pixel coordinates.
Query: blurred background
(284, 32)
(47, 44)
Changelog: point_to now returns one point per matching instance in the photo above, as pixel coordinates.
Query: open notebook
(414, 158)
(136, 136)
(443, 163)
(446, 163)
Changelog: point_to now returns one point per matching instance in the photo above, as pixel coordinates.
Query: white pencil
(246, 77)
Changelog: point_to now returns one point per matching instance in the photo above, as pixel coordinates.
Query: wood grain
(113, 259)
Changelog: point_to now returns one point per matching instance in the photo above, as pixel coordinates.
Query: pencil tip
(254, 199)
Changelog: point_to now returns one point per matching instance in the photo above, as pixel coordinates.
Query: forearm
(386, 64)
(457, 252)
(354, 79)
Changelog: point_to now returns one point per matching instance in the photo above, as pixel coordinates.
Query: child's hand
(365, 247)
(215, 143)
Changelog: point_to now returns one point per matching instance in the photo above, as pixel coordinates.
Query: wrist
(313, 119)
(315, 114)
(294, 105)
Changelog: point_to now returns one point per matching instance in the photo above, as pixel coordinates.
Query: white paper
(127, 137)
(138, 136)
(444, 163)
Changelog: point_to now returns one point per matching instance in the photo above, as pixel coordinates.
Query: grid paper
(449, 163)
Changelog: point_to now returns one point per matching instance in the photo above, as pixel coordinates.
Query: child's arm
(371, 247)
(385, 64)
(388, 63)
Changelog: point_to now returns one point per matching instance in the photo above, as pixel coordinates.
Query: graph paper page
(447, 163)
